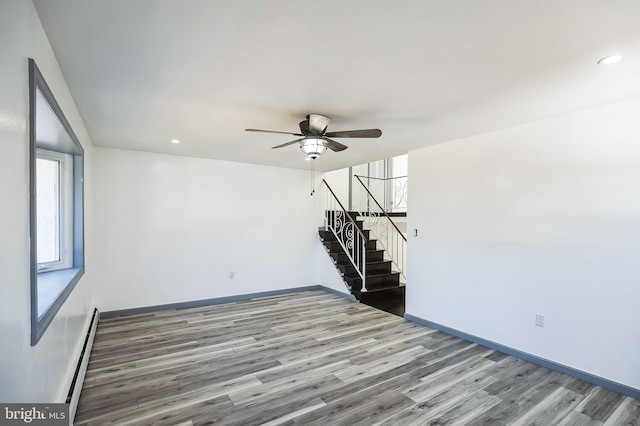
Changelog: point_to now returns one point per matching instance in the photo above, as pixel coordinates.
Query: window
(56, 205)
(54, 208)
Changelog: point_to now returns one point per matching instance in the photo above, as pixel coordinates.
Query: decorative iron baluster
(347, 233)
(379, 224)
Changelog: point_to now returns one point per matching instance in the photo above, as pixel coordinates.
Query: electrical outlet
(540, 320)
(232, 275)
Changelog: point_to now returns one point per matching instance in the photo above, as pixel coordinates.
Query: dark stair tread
(329, 235)
(396, 289)
(352, 273)
(373, 262)
(372, 269)
(344, 260)
(376, 283)
(324, 240)
(381, 275)
(370, 253)
(380, 296)
(372, 256)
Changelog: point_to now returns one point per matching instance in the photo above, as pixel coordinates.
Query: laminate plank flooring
(313, 358)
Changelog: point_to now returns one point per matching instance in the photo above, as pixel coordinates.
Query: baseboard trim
(347, 296)
(570, 371)
(219, 300)
(75, 388)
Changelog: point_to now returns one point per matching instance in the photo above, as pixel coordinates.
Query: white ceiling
(424, 71)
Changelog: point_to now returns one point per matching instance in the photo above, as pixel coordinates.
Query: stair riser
(372, 256)
(335, 246)
(342, 259)
(374, 287)
(372, 269)
(330, 236)
(380, 297)
(391, 280)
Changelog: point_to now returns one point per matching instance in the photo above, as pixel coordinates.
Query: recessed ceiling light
(612, 59)
(176, 141)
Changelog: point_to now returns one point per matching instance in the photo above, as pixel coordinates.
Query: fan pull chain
(313, 175)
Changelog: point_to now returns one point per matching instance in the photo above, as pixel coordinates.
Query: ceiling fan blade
(286, 144)
(318, 123)
(273, 131)
(333, 145)
(304, 127)
(367, 133)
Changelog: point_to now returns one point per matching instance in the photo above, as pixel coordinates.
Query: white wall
(540, 218)
(328, 274)
(40, 373)
(171, 229)
(338, 180)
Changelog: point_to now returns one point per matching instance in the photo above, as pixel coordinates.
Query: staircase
(360, 259)
(383, 285)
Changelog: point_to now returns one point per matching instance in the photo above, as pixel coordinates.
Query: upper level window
(56, 208)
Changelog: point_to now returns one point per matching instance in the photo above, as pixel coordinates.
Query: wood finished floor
(313, 358)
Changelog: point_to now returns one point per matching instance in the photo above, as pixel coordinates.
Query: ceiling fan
(315, 138)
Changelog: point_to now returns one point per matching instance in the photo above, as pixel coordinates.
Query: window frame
(65, 209)
(63, 280)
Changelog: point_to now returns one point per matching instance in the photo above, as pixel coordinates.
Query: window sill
(52, 284)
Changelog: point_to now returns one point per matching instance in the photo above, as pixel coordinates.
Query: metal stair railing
(378, 222)
(390, 192)
(347, 233)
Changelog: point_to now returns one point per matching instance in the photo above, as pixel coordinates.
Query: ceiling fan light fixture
(313, 147)
(315, 140)
(611, 59)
